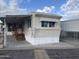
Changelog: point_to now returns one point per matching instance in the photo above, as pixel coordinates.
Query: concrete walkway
(41, 54)
(61, 45)
(75, 43)
(13, 44)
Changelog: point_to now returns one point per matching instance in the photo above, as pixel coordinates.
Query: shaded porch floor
(13, 43)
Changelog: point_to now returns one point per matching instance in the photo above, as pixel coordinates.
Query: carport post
(5, 31)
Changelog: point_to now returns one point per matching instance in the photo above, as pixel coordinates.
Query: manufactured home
(70, 28)
(35, 28)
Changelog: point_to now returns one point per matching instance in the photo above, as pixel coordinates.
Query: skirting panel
(46, 40)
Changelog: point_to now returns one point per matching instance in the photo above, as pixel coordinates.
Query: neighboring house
(37, 28)
(70, 28)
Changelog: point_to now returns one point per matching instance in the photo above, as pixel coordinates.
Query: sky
(61, 7)
(33, 5)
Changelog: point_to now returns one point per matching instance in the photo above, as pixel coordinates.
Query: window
(47, 24)
(51, 24)
(44, 24)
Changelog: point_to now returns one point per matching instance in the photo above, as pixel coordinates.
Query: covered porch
(16, 29)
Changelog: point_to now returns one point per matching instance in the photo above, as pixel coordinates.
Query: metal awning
(17, 18)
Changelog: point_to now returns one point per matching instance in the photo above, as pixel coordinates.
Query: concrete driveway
(61, 45)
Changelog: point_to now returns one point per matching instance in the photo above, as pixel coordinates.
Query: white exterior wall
(27, 31)
(40, 35)
(39, 19)
(47, 35)
(71, 25)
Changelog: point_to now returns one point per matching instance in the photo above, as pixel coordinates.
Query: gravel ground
(30, 54)
(63, 53)
(17, 54)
